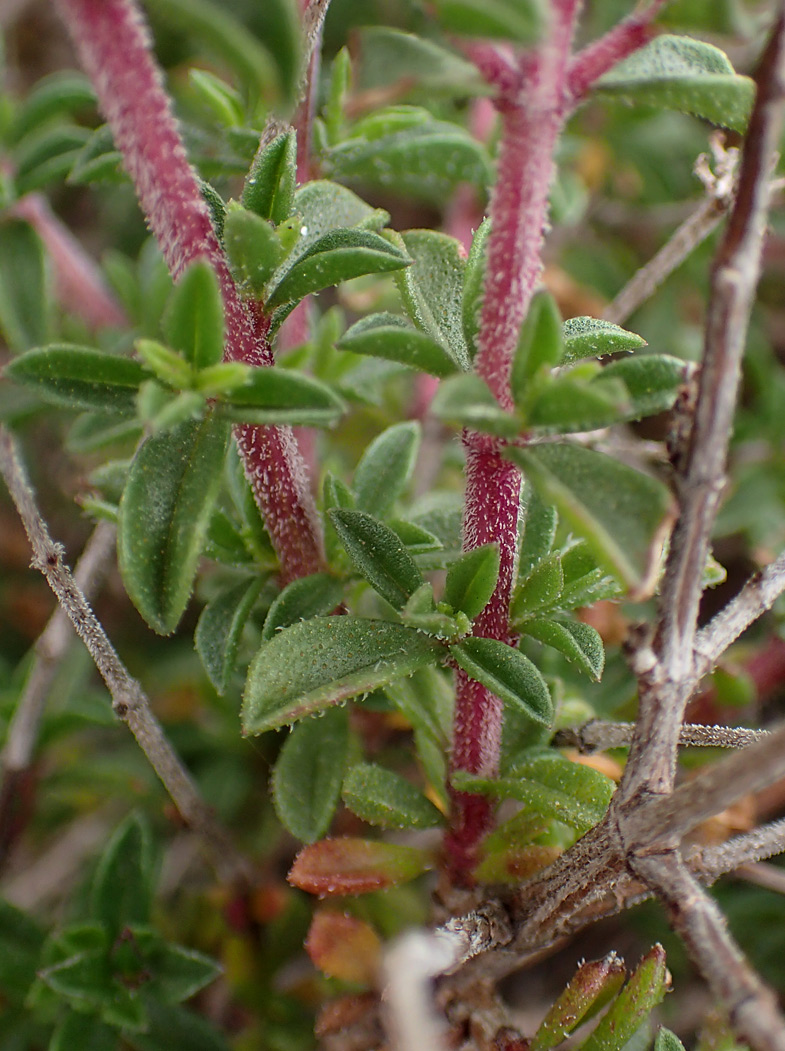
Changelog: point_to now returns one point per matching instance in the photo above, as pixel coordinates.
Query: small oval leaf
(336, 867)
(386, 799)
(506, 673)
(378, 554)
(344, 947)
(321, 662)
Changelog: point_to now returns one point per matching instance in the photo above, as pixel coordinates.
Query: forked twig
(129, 702)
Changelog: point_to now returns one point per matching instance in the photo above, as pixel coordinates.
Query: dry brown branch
(129, 702)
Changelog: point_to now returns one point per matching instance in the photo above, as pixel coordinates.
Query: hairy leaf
(80, 378)
(274, 396)
(317, 663)
(590, 988)
(164, 516)
(506, 673)
(378, 554)
(269, 187)
(645, 989)
(194, 319)
(580, 643)
(471, 580)
(308, 774)
(389, 336)
(589, 337)
(386, 799)
(386, 467)
(355, 866)
(620, 512)
(220, 628)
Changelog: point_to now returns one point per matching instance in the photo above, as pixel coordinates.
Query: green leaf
(122, 889)
(220, 628)
(467, 401)
(474, 278)
(270, 72)
(356, 866)
(521, 21)
(676, 72)
(378, 553)
(586, 787)
(24, 286)
(391, 337)
(97, 161)
(666, 1040)
(507, 674)
(312, 596)
(389, 56)
(631, 1008)
(21, 941)
(173, 1028)
(426, 699)
(590, 988)
(277, 396)
(46, 155)
(579, 643)
(194, 319)
(54, 96)
(471, 580)
(269, 187)
(217, 97)
(539, 344)
(164, 516)
(179, 973)
(432, 289)
(620, 512)
(386, 799)
(426, 159)
(589, 337)
(539, 590)
(325, 206)
(335, 257)
(386, 467)
(86, 1032)
(538, 521)
(321, 662)
(308, 774)
(253, 247)
(653, 381)
(80, 378)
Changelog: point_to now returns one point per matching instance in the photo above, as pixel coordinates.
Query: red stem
(532, 112)
(603, 54)
(114, 47)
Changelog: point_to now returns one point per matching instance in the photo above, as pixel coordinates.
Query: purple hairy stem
(113, 44)
(532, 106)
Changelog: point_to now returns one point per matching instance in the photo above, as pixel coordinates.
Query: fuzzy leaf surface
(312, 596)
(194, 318)
(580, 643)
(220, 628)
(276, 396)
(253, 247)
(321, 662)
(390, 337)
(471, 580)
(164, 516)
(675, 72)
(309, 772)
(539, 344)
(356, 866)
(645, 989)
(269, 187)
(378, 553)
(122, 889)
(590, 337)
(432, 289)
(335, 257)
(467, 401)
(386, 799)
(617, 510)
(593, 984)
(507, 674)
(386, 467)
(79, 377)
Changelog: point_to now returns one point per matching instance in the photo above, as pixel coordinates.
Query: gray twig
(129, 702)
(665, 665)
(599, 736)
(757, 595)
(765, 842)
(684, 240)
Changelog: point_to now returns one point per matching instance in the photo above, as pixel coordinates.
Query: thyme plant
(366, 417)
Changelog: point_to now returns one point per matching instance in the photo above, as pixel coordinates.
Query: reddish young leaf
(342, 946)
(335, 867)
